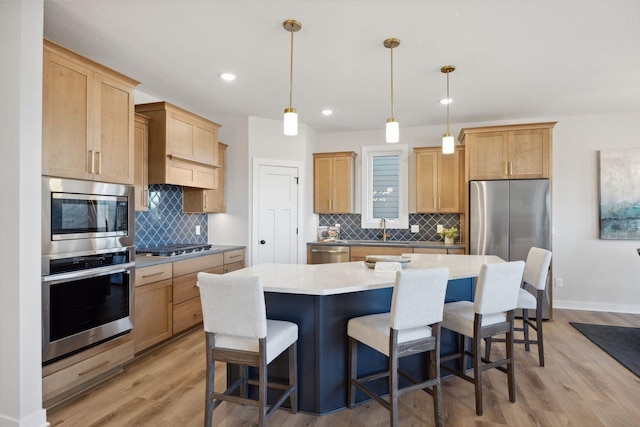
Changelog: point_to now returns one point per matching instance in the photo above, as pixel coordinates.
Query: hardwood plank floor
(580, 386)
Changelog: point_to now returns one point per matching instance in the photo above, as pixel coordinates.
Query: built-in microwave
(81, 216)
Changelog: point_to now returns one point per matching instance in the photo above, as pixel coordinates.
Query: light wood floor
(579, 386)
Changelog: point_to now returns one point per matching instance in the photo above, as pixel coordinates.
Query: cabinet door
(67, 145)
(153, 315)
(488, 155)
(529, 154)
(141, 157)
(113, 127)
(322, 185)
(342, 185)
(426, 181)
(449, 167)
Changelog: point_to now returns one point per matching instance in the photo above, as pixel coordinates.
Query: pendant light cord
(448, 101)
(392, 81)
(291, 72)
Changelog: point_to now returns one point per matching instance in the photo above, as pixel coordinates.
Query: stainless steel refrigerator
(508, 217)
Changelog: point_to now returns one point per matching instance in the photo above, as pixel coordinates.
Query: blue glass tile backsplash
(165, 223)
(350, 227)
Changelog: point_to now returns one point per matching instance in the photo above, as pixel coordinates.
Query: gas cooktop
(172, 250)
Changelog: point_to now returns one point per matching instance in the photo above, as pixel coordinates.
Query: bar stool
(238, 332)
(536, 272)
(491, 314)
(412, 326)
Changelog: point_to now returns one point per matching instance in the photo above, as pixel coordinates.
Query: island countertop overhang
(340, 278)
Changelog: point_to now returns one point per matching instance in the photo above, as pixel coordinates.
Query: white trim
(402, 150)
(253, 242)
(597, 306)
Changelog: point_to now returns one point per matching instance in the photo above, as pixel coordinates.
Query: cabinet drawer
(234, 256)
(358, 253)
(429, 251)
(233, 266)
(85, 370)
(186, 287)
(153, 273)
(194, 265)
(458, 251)
(186, 314)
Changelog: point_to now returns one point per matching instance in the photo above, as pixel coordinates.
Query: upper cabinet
(141, 132)
(439, 179)
(508, 152)
(183, 147)
(333, 182)
(197, 200)
(87, 119)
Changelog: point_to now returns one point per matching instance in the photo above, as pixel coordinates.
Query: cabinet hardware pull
(235, 256)
(330, 204)
(506, 172)
(144, 276)
(85, 372)
(91, 161)
(99, 162)
(205, 201)
(197, 314)
(146, 198)
(510, 168)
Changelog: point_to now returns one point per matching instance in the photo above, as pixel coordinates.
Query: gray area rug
(620, 342)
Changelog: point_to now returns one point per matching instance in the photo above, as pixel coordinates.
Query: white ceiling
(515, 59)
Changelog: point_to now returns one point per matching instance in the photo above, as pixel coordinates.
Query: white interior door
(277, 220)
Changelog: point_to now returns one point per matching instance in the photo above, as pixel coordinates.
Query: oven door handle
(94, 272)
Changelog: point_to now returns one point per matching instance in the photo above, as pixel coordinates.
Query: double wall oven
(88, 264)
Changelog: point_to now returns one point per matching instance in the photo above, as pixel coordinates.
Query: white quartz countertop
(339, 278)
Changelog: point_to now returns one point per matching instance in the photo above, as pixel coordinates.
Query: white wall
(21, 32)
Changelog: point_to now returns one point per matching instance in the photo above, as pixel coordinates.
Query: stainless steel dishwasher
(325, 254)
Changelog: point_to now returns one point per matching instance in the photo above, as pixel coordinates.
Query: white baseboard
(597, 306)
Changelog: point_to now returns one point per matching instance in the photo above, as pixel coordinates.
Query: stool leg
(487, 348)
(510, 371)
(353, 371)
(525, 328)
(539, 328)
(477, 374)
(211, 369)
(393, 389)
(293, 376)
(435, 374)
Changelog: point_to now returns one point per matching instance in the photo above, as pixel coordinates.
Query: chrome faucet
(384, 229)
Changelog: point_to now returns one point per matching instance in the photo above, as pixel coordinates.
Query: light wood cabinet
(87, 119)
(448, 251)
(183, 147)
(141, 182)
(333, 182)
(233, 260)
(187, 309)
(196, 200)
(358, 253)
(71, 375)
(439, 180)
(153, 306)
(508, 152)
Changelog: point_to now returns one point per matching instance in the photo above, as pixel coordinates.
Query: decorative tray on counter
(370, 260)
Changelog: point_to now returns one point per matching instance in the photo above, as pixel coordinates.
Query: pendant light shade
(393, 126)
(290, 113)
(448, 142)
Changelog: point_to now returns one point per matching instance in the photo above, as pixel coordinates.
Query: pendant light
(291, 114)
(393, 127)
(448, 142)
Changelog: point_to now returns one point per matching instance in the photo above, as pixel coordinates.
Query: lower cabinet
(358, 253)
(71, 375)
(450, 251)
(153, 307)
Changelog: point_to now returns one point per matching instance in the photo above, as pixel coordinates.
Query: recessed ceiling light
(445, 101)
(227, 76)
(327, 112)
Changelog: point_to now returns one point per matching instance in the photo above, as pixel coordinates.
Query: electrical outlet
(197, 230)
(415, 228)
(439, 228)
(559, 283)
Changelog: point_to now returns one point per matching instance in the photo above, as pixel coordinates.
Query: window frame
(366, 216)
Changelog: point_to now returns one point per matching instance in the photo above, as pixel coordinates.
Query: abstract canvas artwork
(620, 194)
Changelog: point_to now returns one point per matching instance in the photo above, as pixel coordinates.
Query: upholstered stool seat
(412, 326)
(490, 314)
(238, 332)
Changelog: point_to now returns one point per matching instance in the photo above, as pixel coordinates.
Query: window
(384, 186)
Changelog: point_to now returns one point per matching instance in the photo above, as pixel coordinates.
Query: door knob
(262, 242)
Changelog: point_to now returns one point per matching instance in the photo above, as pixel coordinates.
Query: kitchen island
(322, 298)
